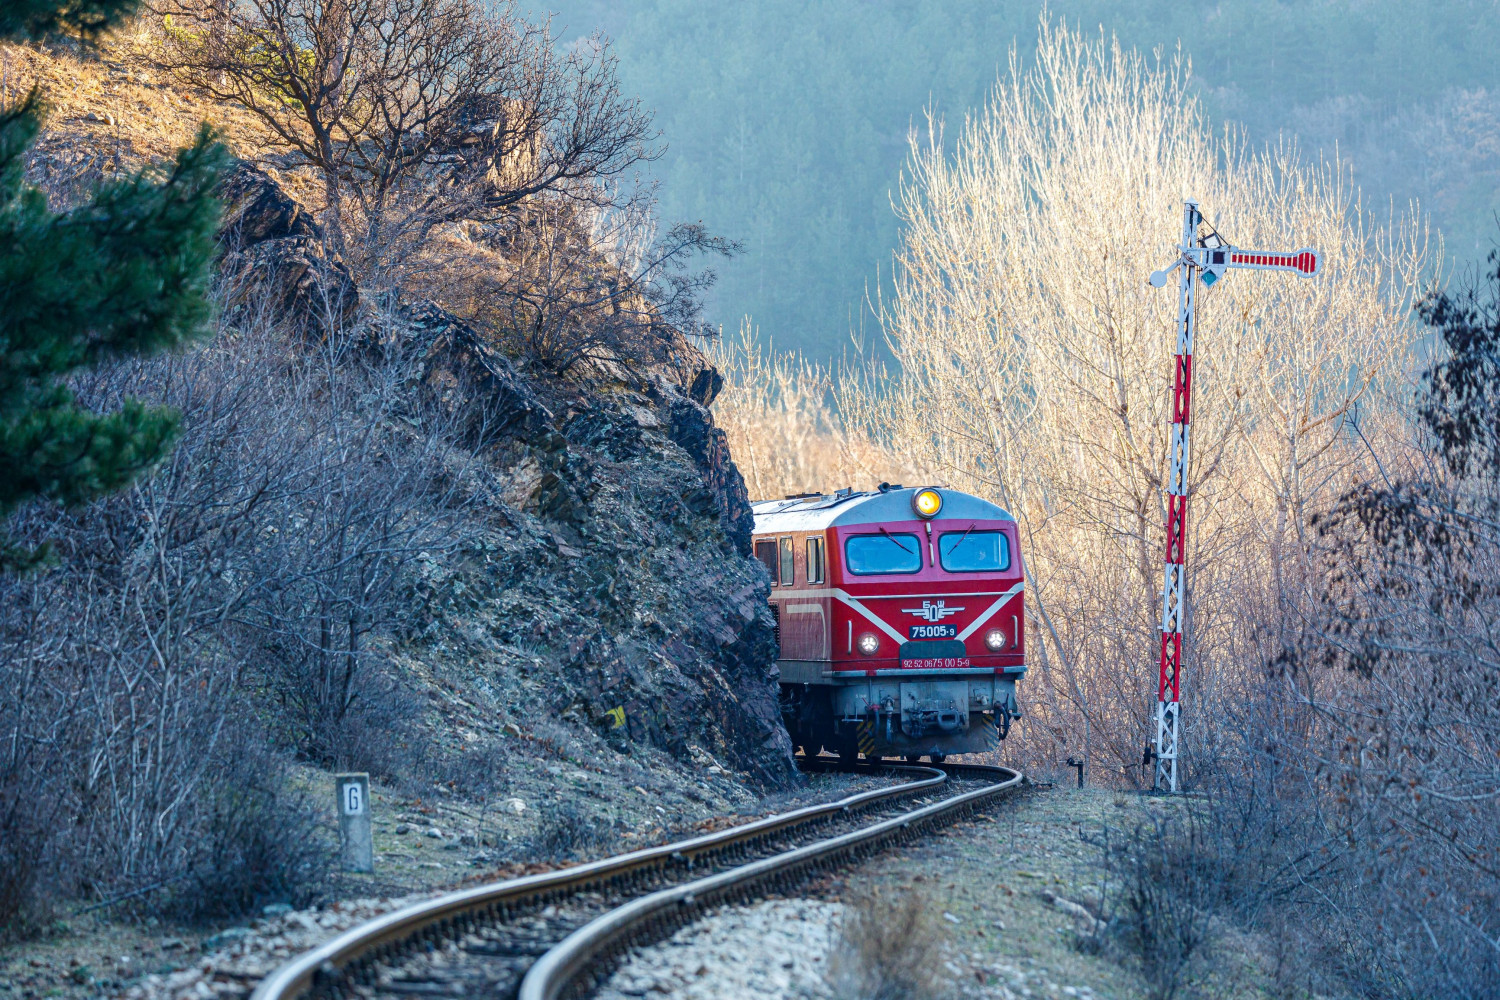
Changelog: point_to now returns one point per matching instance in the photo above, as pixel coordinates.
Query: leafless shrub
(1162, 897)
(1401, 737)
(261, 840)
(575, 285)
(367, 497)
(241, 595)
(567, 831)
(889, 947)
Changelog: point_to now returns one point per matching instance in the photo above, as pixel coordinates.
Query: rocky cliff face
(604, 592)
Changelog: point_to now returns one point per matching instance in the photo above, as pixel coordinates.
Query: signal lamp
(926, 503)
(994, 639)
(869, 643)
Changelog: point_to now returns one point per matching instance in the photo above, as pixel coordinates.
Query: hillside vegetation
(446, 503)
(787, 119)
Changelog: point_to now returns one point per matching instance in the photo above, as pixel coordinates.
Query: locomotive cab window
(766, 553)
(815, 560)
(788, 563)
(974, 551)
(868, 555)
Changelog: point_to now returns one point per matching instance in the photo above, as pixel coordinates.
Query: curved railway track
(554, 935)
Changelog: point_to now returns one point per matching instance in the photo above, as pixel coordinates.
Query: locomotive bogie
(882, 736)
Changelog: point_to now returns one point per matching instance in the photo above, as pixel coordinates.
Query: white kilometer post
(356, 839)
(1204, 260)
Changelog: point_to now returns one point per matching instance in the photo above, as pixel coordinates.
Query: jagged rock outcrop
(606, 584)
(256, 209)
(468, 377)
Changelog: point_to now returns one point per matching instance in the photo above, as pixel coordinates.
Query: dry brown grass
(889, 947)
(113, 109)
(785, 429)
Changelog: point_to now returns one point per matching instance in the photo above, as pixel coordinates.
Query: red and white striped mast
(1202, 259)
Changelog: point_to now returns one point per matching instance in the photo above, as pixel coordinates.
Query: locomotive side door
(807, 607)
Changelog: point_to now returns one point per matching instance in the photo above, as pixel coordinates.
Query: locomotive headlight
(995, 640)
(869, 643)
(926, 503)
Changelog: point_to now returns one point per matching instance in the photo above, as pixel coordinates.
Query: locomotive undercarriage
(892, 717)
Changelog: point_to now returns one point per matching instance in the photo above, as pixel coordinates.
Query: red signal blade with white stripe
(1304, 262)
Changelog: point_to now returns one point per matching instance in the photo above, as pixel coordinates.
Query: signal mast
(1204, 259)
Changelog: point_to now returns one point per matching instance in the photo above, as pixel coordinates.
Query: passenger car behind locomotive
(901, 619)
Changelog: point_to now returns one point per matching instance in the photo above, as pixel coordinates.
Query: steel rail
(388, 934)
(582, 958)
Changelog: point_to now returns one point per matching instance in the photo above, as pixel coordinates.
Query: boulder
(257, 209)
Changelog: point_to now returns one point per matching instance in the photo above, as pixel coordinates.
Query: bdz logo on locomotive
(932, 612)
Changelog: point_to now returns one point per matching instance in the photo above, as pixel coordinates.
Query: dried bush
(262, 839)
(1161, 898)
(784, 428)
(566, 831)
(573, 285)
(1396, 678)
(240, 595)
(28, 804)
(889, 947)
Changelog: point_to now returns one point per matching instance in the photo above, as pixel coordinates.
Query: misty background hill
(786, 120)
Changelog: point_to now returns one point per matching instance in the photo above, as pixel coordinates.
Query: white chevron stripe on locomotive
(879, 623)
(989, 612)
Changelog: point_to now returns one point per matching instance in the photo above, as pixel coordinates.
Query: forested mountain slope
(786, 119)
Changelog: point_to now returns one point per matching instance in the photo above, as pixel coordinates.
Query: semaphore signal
(1205, 259)
(1304, 262)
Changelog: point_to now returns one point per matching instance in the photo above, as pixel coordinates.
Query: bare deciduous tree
(1034, 367)
(417, 112)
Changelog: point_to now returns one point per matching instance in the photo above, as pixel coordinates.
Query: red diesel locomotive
(901, 619)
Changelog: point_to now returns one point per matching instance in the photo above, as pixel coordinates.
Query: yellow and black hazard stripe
(867, 738)
(987, 731)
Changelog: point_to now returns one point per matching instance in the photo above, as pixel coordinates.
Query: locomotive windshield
(866, 555)
(973, 551)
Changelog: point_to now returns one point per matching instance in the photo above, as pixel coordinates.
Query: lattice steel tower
(1203, 259)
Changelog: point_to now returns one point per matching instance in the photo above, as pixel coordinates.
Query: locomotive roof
(820, 511)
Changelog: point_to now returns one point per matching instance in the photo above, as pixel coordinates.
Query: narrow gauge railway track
(562, 930)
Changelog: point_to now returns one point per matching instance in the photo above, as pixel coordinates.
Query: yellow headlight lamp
(926, 503)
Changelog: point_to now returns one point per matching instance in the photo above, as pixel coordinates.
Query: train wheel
(938, 758)
(913, 758)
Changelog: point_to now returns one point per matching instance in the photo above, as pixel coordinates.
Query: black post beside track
(337, 968)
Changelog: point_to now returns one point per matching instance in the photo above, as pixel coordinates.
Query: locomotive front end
(904, 636)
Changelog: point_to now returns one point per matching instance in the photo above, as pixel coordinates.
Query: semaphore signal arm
(1212, 261)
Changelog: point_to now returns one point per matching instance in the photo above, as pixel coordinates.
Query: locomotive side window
(866, 555)
(766, 553)
(815, 560)
(974, 551)
(788, 563)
